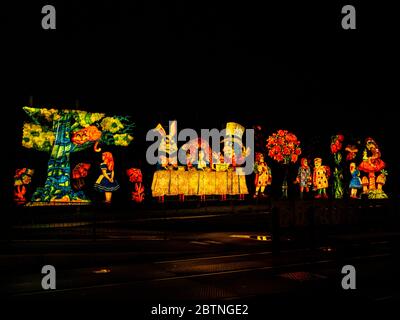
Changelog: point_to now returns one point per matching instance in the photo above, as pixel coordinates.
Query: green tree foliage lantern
(62, 132)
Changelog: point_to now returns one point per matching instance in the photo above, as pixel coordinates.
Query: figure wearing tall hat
(235, 152)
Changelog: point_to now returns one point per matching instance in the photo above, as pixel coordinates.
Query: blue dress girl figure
(106, 182)
(355, 183)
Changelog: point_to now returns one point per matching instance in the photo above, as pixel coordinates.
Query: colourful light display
(62, 132)
(204, 172)
(336, 147)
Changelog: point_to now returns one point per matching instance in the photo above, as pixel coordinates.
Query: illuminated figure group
(203, 171)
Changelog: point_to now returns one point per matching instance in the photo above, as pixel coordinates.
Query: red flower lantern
(283, 147)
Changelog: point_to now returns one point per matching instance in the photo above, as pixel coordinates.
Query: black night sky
(280, 65)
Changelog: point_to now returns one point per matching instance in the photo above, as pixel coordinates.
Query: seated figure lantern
(372, 164)
(235, 153)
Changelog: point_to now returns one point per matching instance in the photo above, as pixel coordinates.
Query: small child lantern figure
(320, 179)
(263, 175)
(22, 178)
(135, 176)
(355, 182)
(304, 177)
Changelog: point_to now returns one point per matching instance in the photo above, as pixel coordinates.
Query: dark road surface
(189, 267)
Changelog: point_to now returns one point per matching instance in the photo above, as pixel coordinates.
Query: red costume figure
(22, 178)
(263, 176)
(78, 174)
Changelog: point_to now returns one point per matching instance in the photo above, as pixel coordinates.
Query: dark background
(281, 65)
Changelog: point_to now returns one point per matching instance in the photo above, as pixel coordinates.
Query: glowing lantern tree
(61, 132)
(336, 148)
(284, 148)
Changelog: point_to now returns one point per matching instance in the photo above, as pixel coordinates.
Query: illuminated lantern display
(372, 164)
(355, 182)
(22, 178)
(320, 179)
(263, 176)
(135, 177)
(336, 147)
(284, 147)
(78, 174)
(303, 178)
(204, 172)
(62, 132)
(168, 146)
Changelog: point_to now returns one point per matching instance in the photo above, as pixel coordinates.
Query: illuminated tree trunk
(58, 184)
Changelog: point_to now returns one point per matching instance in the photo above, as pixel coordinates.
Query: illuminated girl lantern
(372, 164)
(284, 148)
(320, 179)
(106, 182)
(355, 182)
(304, 177)
(263, 176)
(22, 178)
